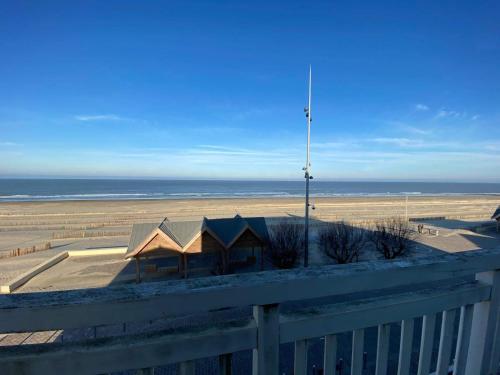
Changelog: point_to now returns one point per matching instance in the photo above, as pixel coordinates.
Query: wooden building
(184, 239)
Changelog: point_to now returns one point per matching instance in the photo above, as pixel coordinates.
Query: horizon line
(145, 178)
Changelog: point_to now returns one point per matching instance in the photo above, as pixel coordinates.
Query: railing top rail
(159, 348)
(452, 265)
(79, 308)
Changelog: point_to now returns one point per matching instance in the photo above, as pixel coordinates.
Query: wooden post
(266, 355)
(185, 265)
(180, 263)
(137, 269)
(224, 262)
(225, 365)
(484, 346)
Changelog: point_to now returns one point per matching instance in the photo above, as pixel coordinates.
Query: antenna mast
(307, 175)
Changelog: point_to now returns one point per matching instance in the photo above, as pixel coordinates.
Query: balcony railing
(471, 291)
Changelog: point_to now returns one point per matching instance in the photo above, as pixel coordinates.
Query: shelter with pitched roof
(187, 238)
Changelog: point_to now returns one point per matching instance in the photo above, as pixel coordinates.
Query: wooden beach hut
(185, 239)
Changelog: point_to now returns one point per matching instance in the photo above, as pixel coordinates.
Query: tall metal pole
(307, 172)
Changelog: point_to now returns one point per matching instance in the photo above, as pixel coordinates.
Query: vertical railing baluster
(340, 366)
(146, 371)
(266, 355)
(484, 347)
(384, 332)
(330, 355)
(187, 368)
(426, 344)
(405, 346)
(463, 339)
(358, 341)
(300, 358)
(225, 364)
(445, 342)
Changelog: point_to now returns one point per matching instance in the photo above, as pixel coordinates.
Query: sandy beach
(86, 224)
(74, 225)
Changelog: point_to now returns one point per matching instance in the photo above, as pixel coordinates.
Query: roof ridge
(238, 216)
(170, 233)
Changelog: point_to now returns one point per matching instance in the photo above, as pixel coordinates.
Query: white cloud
(421, 107)
(398, 156)
(444, 113)
(402, 142)
(222, 150)
(330, 145)
(492, 146)
(215, 157)
(415, 130)
(216, 154)
(109, 117)
(9, 144)
(449, 114)
(248, 114)
(408, 128)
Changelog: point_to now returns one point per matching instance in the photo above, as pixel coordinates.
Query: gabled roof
(259, 226)
(139, 234)
(181, 232)
(496, 215)
(226, 231)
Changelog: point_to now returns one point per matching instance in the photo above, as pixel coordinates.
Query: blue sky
(401, 90)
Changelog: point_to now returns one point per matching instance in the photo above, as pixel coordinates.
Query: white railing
(475, 300)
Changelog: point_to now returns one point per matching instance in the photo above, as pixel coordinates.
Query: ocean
(100, 189)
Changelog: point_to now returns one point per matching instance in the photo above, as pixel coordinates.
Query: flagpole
(307, 175)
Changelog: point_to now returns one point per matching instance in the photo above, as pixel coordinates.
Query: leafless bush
(286, 243)
(341, 242)
(392, 237)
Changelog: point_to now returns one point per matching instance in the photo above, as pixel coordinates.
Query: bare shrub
(341, 242)
(392, 237)
(286, 243)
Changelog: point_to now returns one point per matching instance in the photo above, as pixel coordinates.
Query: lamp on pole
(307, 171)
